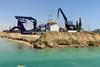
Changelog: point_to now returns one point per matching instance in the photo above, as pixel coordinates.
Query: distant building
(52, 25)
(72, 30)
(1, 29)
(97, 31)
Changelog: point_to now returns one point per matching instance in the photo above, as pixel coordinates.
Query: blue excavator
(68, 24)
(23, 20)
(20, 24)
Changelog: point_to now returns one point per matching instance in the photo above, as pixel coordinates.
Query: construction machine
(69, 24)
(20, 24)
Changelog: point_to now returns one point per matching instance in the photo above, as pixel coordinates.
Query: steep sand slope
(65, 39)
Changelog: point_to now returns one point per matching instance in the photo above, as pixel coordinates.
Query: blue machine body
(20, 24)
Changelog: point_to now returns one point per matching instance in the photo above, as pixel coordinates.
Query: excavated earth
(56, 39)
(67, 39)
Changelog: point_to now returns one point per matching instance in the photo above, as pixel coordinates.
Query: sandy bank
(56, 39)
(66, 39)
(26, 40)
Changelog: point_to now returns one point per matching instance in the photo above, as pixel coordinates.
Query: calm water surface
(12, 54)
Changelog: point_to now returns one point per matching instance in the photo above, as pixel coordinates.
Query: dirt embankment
(65, 39)
(56, 39)
(25, 39)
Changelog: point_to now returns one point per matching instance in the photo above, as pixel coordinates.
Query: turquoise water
(12, 54)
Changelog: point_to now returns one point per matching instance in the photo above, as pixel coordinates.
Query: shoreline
(24, 43)
(55, 39)
(27, 44)
(26, 40)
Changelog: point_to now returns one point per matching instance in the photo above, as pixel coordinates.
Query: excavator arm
(65, 18)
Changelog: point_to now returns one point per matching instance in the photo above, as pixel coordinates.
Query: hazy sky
(89, 10)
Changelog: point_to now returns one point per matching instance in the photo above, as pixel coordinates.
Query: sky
(42, 10)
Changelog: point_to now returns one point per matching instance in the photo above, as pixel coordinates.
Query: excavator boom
(65, 18)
